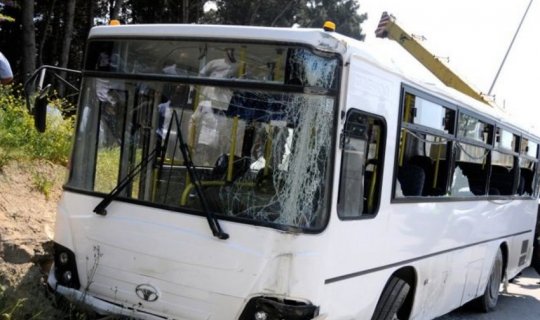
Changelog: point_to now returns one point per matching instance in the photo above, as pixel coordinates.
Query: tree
(68, 32)
(29, 38)
(68, 36)
(285, 13)
(46, 30)
(166, 11)
(343, 12)
(115, 13)
(257, 13)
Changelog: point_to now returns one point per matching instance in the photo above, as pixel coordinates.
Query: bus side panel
(358, 245)
(521, 246)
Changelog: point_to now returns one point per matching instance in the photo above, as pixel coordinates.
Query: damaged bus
(224, 172)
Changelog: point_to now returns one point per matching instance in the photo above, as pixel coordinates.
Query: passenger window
(501, 179)
(429, 114)
(470, 172)
(505, 140)
(472, 128)
(528, 163)
(361, 165)
(423, 168)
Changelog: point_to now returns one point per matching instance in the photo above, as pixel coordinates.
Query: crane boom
(388, 28)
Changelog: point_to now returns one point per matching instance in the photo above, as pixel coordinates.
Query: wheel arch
(410, 275)
(504, 250)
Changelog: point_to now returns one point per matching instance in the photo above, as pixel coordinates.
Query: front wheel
(391, 300)
(488, 300)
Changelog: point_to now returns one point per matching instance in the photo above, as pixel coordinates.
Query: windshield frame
(232, 83)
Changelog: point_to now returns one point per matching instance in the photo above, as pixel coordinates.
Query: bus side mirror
(40, 108)
(40, 112)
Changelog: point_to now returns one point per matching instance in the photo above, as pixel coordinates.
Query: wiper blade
(195, 179)
(101, 208)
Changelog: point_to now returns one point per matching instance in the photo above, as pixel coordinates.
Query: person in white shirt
(6, 75)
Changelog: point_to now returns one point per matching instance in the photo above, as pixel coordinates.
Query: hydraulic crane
(388, 28)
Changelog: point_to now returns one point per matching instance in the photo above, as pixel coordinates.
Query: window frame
(380, 163)
(454, 139)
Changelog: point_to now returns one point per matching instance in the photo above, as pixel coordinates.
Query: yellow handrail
(374, 176)
(409, 99)
(232, 150)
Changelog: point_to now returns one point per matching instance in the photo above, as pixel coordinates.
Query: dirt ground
(29, 192)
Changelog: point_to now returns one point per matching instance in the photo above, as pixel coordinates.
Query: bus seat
(475, 175)
(521, 184)
(240, 167)
(502, 179)
(412, 179)
(426, 163)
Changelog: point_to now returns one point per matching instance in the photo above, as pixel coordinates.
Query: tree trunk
(68, 36)
(29, 39)
(91, 7)
(185, 11)
(46, 31)
(254, 14)
(281, 13)
(115, 15)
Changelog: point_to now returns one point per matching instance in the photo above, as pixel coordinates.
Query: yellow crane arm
(388, 28)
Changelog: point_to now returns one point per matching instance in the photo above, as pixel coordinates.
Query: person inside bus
(211, 137)
(6, 74)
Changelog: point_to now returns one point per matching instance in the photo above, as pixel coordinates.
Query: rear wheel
(488, 300)
(391, 300)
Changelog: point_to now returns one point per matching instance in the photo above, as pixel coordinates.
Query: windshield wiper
(196, 181)
(102, 206)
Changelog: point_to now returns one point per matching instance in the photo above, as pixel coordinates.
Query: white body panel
(343, 270)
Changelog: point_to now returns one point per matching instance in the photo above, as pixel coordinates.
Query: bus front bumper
(100, 306)
(103, 307)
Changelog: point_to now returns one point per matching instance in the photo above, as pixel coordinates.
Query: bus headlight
(261, 315)
(63, 257)
(268, 308)
(65, 267)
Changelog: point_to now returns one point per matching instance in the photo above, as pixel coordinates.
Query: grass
(42, 183)
(19, 141)
(108, 161)
(18, 138)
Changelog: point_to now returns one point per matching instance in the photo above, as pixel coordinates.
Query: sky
(474, 35)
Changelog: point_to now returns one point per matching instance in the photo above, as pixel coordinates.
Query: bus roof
(318, 38)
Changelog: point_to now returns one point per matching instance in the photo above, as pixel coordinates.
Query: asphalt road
(521, 302)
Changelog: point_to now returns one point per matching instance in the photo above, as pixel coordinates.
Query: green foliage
(285, 13)
(42, 183)
(108, 161)
(6, 18)
(8, 309)
(344, 13)
(20, 140)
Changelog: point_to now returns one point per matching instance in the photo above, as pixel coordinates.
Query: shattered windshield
(261, 155)
(262, 63)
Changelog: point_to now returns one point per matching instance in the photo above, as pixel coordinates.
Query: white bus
(224, 172)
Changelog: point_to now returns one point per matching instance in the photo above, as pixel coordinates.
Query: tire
(488, 301)
(391, 300)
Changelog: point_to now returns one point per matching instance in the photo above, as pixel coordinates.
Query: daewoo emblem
(147, 292)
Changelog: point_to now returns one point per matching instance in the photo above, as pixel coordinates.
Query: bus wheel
(488, 300)
(391, 300)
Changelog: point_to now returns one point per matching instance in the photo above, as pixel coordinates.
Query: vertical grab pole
(242, 62)
(436, 174)
(409, 99)
(268, 151)
(375, 168)
(232, 150)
